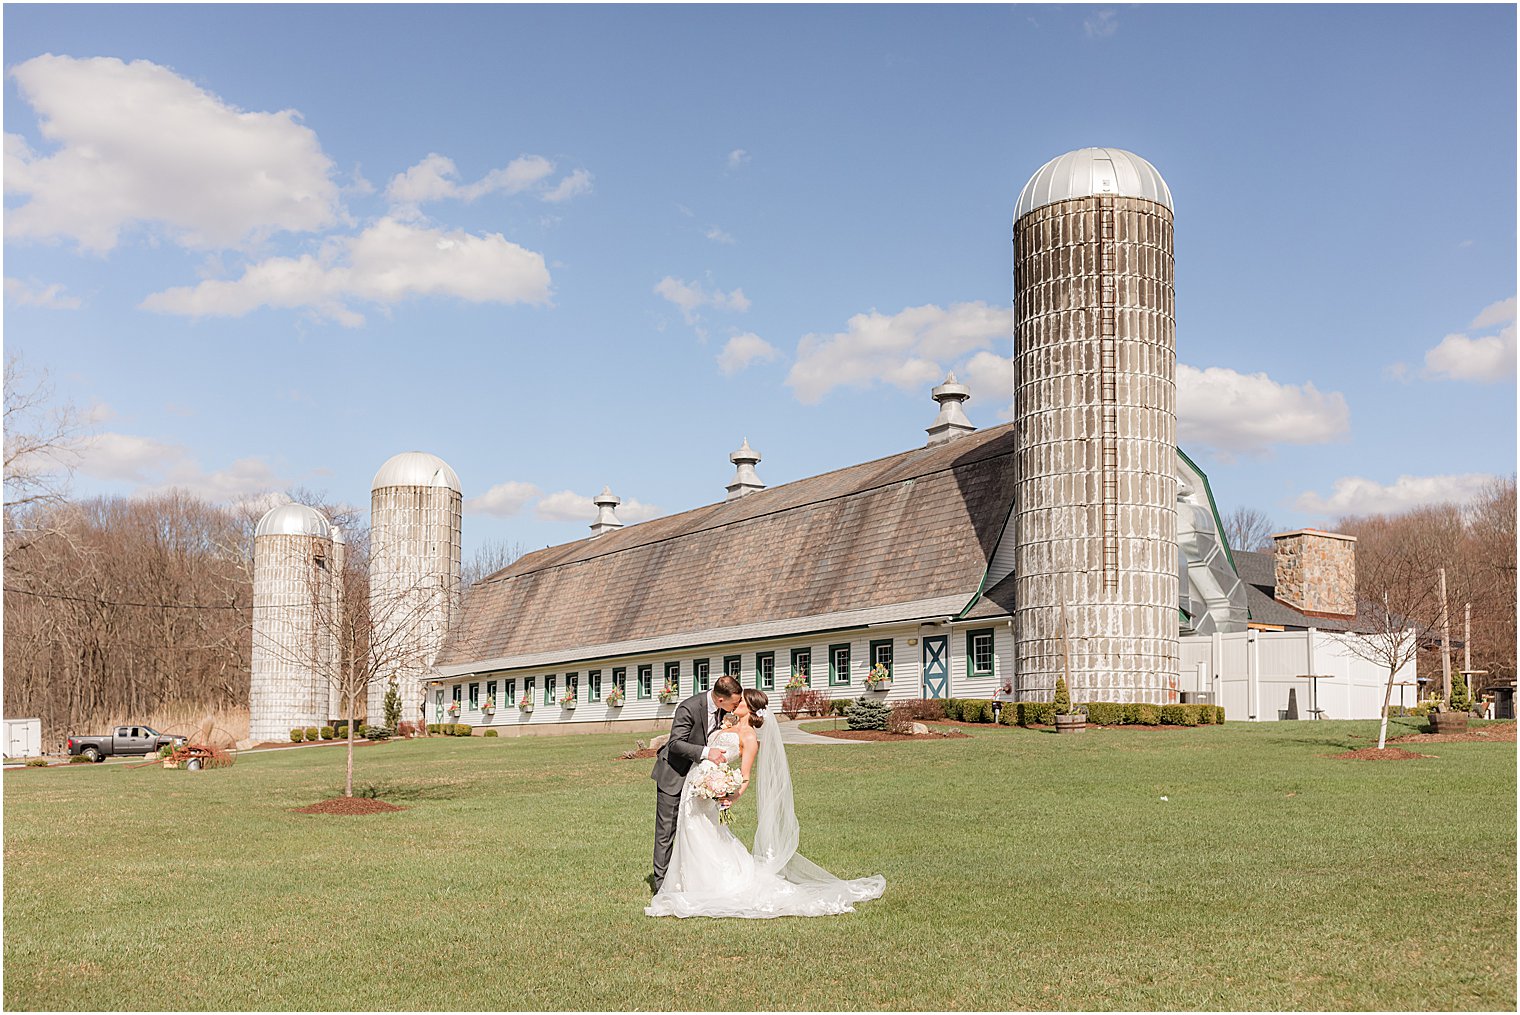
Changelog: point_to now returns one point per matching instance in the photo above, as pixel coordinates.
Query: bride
(712, 874)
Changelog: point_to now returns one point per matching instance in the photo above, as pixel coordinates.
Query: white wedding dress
(712, 874)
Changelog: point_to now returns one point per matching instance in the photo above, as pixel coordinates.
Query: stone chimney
(606, 521)
(1316, 572)
(746, 479)
(951, 421)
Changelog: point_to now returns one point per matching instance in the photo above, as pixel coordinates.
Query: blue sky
(564, 247)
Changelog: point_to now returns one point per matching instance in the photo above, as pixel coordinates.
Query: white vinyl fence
(1251, 672)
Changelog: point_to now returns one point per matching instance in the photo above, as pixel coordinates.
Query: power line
(146, 606)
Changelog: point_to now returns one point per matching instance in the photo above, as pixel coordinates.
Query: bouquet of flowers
(879, 676)
(719, 783)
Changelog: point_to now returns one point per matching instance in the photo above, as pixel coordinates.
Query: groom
(696, 719)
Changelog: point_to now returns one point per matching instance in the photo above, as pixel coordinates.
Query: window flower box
(525, 704)
(668, 694)
(488, 706)
(879, 679)
(568, 700)
(615, 699)
(453, 708)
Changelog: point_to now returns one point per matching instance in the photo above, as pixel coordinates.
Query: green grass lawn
(1024, 871)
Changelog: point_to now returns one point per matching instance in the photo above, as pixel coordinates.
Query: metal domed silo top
(1089, 171)
(293, 520)
(416, 468)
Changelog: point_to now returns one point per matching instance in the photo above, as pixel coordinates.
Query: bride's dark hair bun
(756, 700)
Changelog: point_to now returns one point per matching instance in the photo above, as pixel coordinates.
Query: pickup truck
(140, 740)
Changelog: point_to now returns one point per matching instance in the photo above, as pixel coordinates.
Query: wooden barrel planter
(1071, 723)
(1447, 722)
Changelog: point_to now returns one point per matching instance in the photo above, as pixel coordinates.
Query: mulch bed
(884, 735)
(350, 805)
(1386, 754)
(1501, 734)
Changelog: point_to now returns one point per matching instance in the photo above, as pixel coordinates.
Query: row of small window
(979, 656)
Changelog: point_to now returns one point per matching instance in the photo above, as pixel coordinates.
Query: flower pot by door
(1071, 723)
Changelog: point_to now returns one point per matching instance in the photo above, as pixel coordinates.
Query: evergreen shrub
(312, 733)
(328, 733)
(864, 714)
(297, 735)
(490, 733)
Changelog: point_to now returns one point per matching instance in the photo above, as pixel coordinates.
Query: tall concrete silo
(415, 508)
(1096, 448)
(294, 641)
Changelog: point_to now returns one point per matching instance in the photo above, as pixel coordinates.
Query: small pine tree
(1063, 697)
(392, 705)
(1461, 701)
(865, 714)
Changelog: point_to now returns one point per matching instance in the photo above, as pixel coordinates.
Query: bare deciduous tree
(1248, 529)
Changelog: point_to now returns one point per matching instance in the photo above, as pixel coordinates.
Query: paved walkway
(793, 733)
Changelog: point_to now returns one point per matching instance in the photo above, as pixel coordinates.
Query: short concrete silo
(293, 633)
(1095, 406)
(415, 508)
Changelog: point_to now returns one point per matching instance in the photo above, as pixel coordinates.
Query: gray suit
(687, 746)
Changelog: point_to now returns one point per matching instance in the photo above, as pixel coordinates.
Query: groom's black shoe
(654, 886)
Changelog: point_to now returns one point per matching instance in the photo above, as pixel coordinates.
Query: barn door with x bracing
(937, 667)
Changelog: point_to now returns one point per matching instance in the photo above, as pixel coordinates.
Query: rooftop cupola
(746, 479)
(606, 504)
(951, 421)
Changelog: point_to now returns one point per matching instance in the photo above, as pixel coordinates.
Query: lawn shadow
(406, 791)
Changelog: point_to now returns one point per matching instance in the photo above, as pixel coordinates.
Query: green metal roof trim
(1213, 507)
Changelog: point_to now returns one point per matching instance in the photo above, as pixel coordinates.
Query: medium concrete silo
(1096, 447)
(415, 508)
(294, 638)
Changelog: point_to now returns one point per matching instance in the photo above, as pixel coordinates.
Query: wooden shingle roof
(900, 537)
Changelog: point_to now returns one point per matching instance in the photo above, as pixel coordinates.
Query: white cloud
(990, 378)
(737, 158)
(1460, 357)
(743, 350)
(1248, 413)
(1502, 312)
(569, 506)
(46, 297)
(436, 178)
(1354, 495)
(153, 465)
(691, 297)
(1101, 25)
(717, 235)
(573, 185)
(389, 262)
(1487, 358)
(134, 144)
(908, 349)
(503, 500)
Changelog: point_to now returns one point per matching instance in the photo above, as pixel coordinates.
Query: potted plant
(525, 704)
(489, 705)
(615, 699)
(568, 700)
(1069, 718)
(453, 708)
(798, 681)
(668, 693)
(879, 679)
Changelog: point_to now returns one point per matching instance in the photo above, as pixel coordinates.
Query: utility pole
(1445, 642)
(1467, 638)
